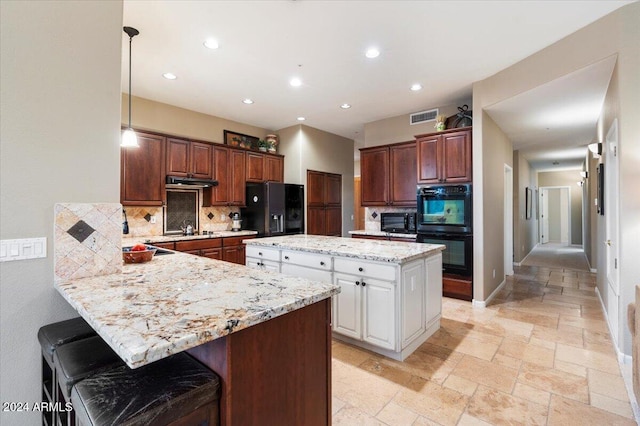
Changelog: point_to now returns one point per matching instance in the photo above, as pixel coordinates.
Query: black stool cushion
(83, 358)
(59, 333)
(155, 394)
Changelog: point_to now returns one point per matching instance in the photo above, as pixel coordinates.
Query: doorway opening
(555, 215)
(508, 220)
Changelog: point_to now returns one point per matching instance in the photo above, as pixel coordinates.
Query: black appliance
(179, 180)
(400, 223)
(457, 257)
(274, 208)
(444, 208)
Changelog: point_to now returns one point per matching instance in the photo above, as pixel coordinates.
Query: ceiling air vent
(423, 116)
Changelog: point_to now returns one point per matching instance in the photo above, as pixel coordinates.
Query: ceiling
(443, 45)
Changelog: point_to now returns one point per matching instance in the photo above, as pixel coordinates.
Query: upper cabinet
(189, 159)
(229, 171)
(444, 157)
(388, 175)
(262, 167)
(142, 172)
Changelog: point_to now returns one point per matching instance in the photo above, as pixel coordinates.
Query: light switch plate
(22, 249)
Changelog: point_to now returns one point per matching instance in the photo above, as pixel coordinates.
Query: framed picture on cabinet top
(239, 140)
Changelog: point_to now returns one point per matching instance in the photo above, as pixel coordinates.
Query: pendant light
(129, 138)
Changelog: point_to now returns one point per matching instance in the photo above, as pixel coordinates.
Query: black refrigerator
(274, 208)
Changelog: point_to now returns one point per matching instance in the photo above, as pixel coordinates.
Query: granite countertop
(384, 234)
(376, 250)
(179, 301)
(130, 240)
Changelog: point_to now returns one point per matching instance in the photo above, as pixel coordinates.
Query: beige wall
(617, 33)
(397, 129)
(60, 136)
(314, 149)
(568, 178)
(168, 119)
(525, 235)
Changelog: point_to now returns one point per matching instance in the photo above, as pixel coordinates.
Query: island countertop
(180, 301)
(375, 250)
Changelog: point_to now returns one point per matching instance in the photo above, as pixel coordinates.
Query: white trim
(530, 251)
(483, 303)
(623, 360)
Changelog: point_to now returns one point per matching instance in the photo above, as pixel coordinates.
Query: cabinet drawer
(263, 253)
(267, 265)
(318, 261)
(198, 244)
(233, 241)
(365, 269)
(170, 245)
(308, 273)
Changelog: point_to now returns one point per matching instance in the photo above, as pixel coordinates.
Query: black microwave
(398, 223)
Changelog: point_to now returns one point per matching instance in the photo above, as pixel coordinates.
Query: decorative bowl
(140, 256)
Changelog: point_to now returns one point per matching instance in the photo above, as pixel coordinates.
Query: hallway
(540, 353)
(555, 255)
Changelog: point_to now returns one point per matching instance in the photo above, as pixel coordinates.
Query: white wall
(59, 138)
(306, 148)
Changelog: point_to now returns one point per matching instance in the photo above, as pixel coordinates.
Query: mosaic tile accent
(221, 220)
(147, 217)
(138, 223)
(210, 215)
(87, 240)
(80, 231)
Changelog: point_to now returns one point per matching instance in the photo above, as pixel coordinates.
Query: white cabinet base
(398, 356)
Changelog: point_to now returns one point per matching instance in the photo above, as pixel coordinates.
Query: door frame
(544, 207)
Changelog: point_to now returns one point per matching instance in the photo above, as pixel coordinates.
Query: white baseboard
(483, 303)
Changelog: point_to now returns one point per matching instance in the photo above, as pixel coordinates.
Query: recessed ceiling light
(372, 53)
(247, 101)
(295, 82)
(169, 76)
(301, 118)
(345, 106)
(211, 43)
(416, 87)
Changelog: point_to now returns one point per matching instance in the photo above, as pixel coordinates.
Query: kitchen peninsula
(266, 335)
(390, 298)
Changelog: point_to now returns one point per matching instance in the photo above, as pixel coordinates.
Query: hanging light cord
(130, 38)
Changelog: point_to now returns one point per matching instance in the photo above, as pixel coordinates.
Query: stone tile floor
(539, 354)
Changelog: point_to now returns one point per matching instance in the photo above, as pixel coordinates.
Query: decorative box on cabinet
(444, 157)
(388, 175)
(142, 172)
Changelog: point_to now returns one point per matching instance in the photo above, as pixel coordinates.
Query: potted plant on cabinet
(263, 145)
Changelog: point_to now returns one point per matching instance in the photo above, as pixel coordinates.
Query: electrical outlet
(27, 248)
(153, 219)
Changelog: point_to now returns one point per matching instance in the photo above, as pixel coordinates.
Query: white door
(347, 306)
(508, 220)
(544, 216)
(611, 227)
(379, 303)
(565, 206)
(413, 301)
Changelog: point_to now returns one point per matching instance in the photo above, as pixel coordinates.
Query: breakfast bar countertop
(174, 303)
(363, 249)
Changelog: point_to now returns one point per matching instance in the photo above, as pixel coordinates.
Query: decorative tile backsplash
(210, 219)
(87, 240)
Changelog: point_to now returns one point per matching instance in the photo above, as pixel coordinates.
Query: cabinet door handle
(363, 283)
(286, 258)
(357, 282)
(360, 269)
(321, 263)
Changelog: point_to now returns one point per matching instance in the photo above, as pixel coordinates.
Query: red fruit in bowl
(139, 247)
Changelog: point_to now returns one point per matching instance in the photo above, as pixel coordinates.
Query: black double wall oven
(445, 216)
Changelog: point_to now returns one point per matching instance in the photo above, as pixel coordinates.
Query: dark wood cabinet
(324, 203)
(444, 157)
(142, 172)
(388, 175)
(264, 167)
(229, 171)
(233, 250)
(229, 249)
(189, 158)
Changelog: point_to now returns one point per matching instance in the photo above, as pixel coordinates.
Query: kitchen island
(267, 335)
(390, 298)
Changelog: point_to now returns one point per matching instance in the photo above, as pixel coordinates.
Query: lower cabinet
(413, 301)
(263, 258)
(233, 249)
(315, 267)
(229, 249)
(365, 310)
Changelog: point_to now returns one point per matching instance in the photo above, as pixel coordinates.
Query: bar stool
(52, 336)
(177, 390)
(76, 361)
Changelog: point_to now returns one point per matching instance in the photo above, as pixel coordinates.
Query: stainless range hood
(186, 181)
